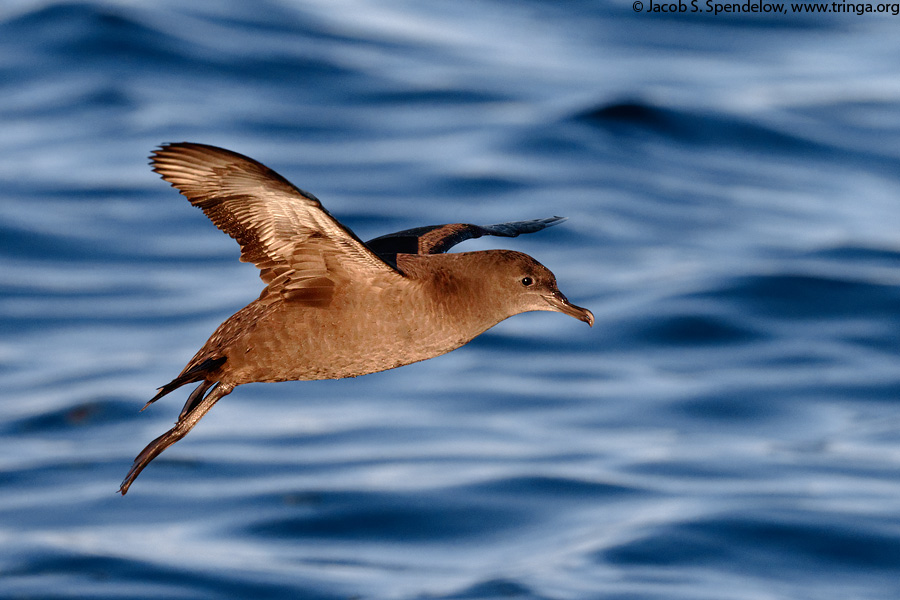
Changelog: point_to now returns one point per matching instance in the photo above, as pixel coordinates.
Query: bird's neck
(456, 288)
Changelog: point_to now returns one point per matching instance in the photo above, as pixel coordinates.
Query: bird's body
(334, 306)
(418, 317)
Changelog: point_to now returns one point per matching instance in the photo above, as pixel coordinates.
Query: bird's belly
(311, 348)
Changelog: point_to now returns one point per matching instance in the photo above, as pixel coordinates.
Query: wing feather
(283, 230)
(436, 239)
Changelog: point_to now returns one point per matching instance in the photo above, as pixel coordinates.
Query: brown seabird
(334, 306)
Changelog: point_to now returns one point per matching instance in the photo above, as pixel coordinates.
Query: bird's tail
(198, 372)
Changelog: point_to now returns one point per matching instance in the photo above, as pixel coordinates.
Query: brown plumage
(334, 306)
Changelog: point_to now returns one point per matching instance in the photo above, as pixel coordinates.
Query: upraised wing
(300, 249)
(435, 239)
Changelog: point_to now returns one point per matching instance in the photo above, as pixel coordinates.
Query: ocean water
(728, 430)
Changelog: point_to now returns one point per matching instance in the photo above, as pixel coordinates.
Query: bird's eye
(527, 281)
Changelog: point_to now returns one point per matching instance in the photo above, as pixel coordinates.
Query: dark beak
(561, 304)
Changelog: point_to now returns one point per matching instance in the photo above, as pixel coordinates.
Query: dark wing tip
(514, 228)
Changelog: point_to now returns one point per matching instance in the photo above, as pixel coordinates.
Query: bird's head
(521, 284)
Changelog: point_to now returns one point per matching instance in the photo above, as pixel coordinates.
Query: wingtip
(160, 148)
(168, 147)
(156, 153)
(547, 222)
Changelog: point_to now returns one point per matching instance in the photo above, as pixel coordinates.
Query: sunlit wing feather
(300, 249)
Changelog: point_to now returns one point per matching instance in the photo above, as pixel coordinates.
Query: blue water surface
(728, 430)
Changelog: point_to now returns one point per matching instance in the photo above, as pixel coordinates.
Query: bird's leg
(185, 423)
(195, 397)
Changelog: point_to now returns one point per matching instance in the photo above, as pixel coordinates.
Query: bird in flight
(335, 306)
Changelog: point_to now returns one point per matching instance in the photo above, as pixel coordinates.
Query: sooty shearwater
(334, 306)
